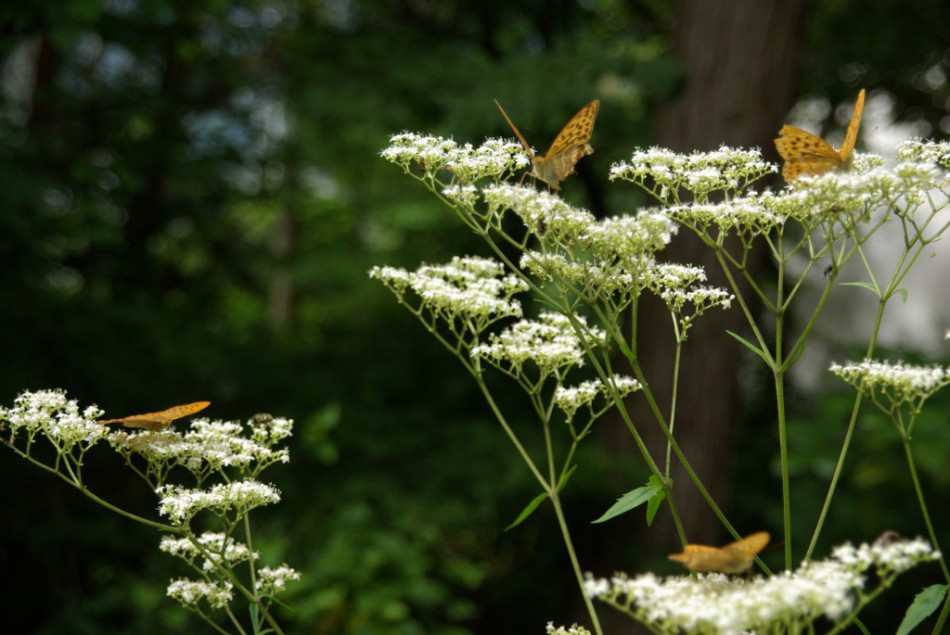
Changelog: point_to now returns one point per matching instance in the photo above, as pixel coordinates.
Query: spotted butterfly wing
(569, 146)
(733, 558)
(808, 154)
(159, 420)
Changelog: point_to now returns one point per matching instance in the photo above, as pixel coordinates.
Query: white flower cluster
(580, 274)
(918, 150)
(673, 283)
(550, 342)
(665, 173)
(849, 196)
(180, 504)
(629, 240)
(469, 287)
(466, 163)
(747, 216)
(717, 604)
(273, 580)
(209, 446)
(560, 630)
(571, 398)
(51, 414)
(616, 252)
(544, 214)
(215, 547)
(899, 383)
(189, 592)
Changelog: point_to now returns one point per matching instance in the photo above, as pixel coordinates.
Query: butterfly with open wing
(808, 154)
(160, 420)
(569, 146)
(736, 557)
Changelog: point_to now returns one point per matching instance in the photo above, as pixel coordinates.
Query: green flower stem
(839, 468)
(575, 565)
(77, 484)
(912, 468)
(901, 271)
(942, 618)
(677, 355)
(779, 378)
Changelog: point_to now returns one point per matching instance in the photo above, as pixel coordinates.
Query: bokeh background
(191, 195)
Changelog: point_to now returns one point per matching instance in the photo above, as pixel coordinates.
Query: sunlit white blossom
(666, 174)
(632, 241)
(571, 398)
(189, 592)
(50, 413)
(466, 163)
(899, 383)
(852, 194)
(550, 342)
(561, 630)
(215, 548)
(273, 580)
(747, 216)
(923, 151)
(716, 603)
(595, 279)
(465, 195)
(544, 214)
(467, 287)
(181, 503)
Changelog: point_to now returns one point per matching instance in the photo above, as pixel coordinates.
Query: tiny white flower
(666, 174)
(49, 413)
(273, 580)
(180, 504)
(189, 592)
(474, 290)
(550, 342)
(213, 547)
(899, 384)
(715, 603)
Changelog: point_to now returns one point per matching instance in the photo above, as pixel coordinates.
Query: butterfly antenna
(524, 143)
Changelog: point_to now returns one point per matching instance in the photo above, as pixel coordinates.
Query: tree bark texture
(739, 59)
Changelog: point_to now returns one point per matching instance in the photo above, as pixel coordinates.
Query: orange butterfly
(159, 420)
(569, 146)
(805, 153)
(735, 557)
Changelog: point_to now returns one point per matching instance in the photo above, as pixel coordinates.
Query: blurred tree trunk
(739, 59)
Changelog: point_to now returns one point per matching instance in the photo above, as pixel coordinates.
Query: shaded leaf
(925, 603)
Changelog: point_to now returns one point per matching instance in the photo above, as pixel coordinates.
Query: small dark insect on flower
(889, 537)
(828, 270)
(260, 419)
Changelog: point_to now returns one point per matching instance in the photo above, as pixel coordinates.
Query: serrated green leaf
(528, 510)
(630, 500)
(925, 603)
(752, 347)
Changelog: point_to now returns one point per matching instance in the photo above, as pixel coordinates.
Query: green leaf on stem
(863, 285)
(634, 499)
(653, 506)
(752, 347)
(528, 510)
(537, 500)
(925, 603)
